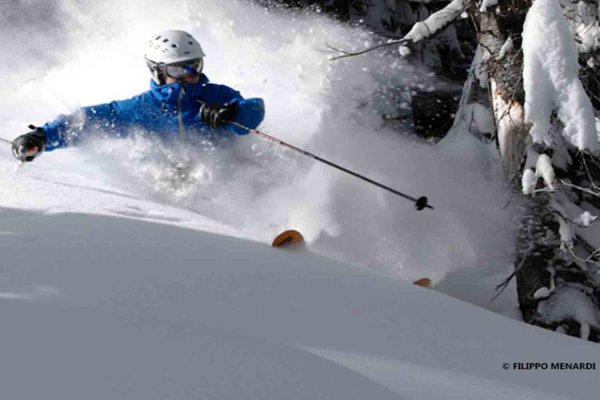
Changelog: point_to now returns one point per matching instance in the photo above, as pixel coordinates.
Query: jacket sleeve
(250, 113)
(69, 130)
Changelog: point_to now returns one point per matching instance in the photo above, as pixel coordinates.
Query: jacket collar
(169, 93)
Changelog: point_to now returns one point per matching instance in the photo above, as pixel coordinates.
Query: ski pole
(420, 203)
(11, 143)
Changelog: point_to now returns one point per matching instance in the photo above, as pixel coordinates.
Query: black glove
(217, 115)
(30, 145)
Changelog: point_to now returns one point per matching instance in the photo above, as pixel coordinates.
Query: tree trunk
(550, 274)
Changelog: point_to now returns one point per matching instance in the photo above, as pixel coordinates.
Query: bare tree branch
(344, 53)
(502, 286)
(421, 30)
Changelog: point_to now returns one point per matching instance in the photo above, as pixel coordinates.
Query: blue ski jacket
(169, 111)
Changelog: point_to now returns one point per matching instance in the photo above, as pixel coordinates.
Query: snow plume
(253, 187)
(550, 78)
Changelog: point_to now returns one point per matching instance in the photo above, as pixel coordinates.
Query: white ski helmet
(171, 47)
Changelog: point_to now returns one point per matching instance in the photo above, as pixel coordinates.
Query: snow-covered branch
(551, 80)
(437, 21)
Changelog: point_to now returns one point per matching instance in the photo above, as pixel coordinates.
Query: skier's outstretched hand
(29, 146)
(217, 115)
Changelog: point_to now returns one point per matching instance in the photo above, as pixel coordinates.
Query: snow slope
(106, 307)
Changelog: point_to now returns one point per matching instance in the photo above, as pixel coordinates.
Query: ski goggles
(183, 69)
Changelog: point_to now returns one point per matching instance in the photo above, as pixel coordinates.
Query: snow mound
(235, 318)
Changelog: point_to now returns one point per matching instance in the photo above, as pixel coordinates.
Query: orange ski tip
(287, 238)
(425, 282)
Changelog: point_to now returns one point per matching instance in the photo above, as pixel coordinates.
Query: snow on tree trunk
(502, 62)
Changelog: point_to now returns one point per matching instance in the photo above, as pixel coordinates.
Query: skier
(180, 103)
